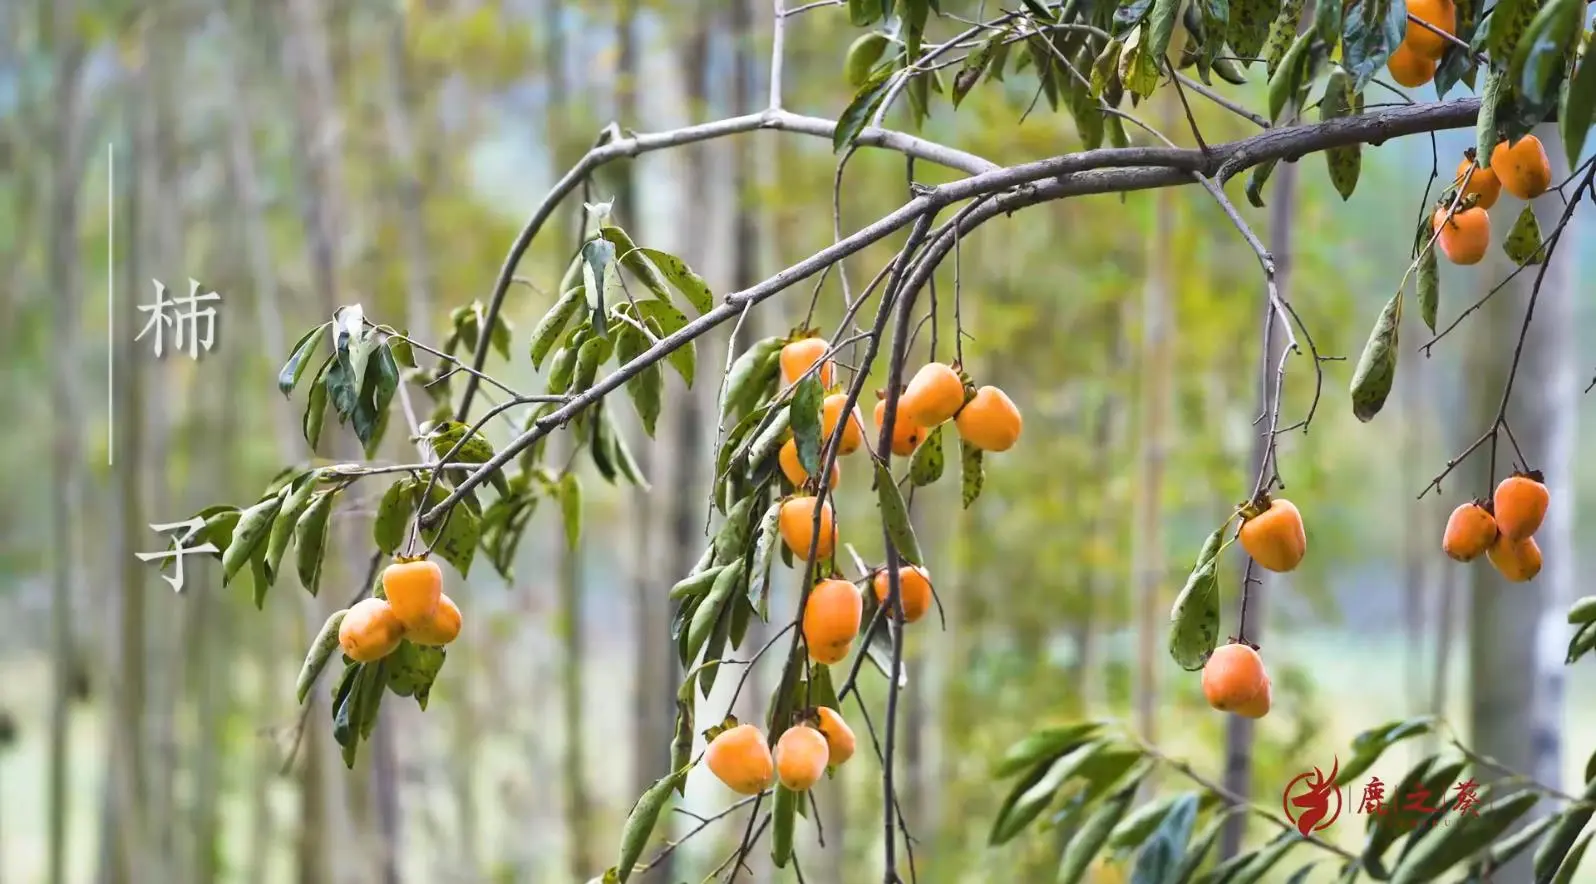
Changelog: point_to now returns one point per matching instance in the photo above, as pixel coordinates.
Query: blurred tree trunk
(317, 147)
(398, 100)
(1157, 366)
(1503, 618)
(1417, 533)
(1097, 609)
(1546, 421)
(578, 809)
(58, 27)
(1239, 731)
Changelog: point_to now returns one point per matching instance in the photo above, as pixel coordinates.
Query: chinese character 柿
(178, 551)
(185, 326)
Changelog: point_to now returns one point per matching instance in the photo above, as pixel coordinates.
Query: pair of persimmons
(985, 418)
(415, 608)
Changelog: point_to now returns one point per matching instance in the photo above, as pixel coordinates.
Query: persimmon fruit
(801, 355)
(1259, 705)
(1517, 560)
(801, 757)
(1275, 538)
(914, 590)
(1409, 68)
(840, 741)
(1520, 505)
(413, 589)
(444, 627)
(794, 470)
(1442, 14)
(739, 758)
(1470, 531)
(934, 396)
(831, 619)
(990, 421)
(852, 433)
(370, 631)
(1233, 679)
(906, 433)
(796, 519)
(1483, 184)
(1522, 167)
(1465, 238)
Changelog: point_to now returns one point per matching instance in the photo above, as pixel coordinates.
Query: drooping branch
(1107, 170)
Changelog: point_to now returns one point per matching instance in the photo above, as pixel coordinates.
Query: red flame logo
(1312, 809)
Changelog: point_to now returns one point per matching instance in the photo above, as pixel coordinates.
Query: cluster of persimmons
(414, 607)
(1520, 168)
(1503, 528)
(1234, 679)
(834, 610)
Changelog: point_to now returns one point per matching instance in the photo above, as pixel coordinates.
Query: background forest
(295, 156)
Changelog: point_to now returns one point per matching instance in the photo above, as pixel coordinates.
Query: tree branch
(1106, 170)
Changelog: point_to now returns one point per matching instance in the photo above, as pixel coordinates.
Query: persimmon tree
(624, 314)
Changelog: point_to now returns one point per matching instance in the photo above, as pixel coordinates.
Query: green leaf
(461, 530)
(1506, 850)
(865, 51)
(1579, 104)
(254, 524)
(863, 12)
(1161, 26)
(694, 585)
(683, 279)
(1582, 611)
(401, 350)
(783, 820)
(1105, 68)
(299, 360)
(973, 473)
(595, 351)
(310, 540)
(393, 515)
(321, 650)
(1161, 856)
(1493, 95)
(598, 259)
(1287, 80)
(412, 668)
(1384, 829)
(1282, 34)
(1440, 851)
(1368, 746)
(856, 116)
(1248, 25)
(1372, 379)
(1033, 793)
(548, 330)
(1429, 288)
(895, 517)
(640, 822)
(663, 320)
(283, 523)
(1200, 846)
(1083, 846)
(1135, 829)
(1344, 162)
(765, 543)
(969, 74)
(732, 539)
(1523, 242)
(928, 462)
(708, 612)
(371, 412)
(570, 491)
(1256, 179)
(1565, 872)
(633, 259)
(1044, 745)
(751, 373)
(316, 407)
(1539, 55)
(805, 422)
(1261, 862)
(1194, 630)
(1554, 851)
(1583, 642)
(647, 387)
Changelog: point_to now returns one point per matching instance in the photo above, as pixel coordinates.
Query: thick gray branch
(1109, 170)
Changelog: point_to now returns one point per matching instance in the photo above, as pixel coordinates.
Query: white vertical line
(110, 310)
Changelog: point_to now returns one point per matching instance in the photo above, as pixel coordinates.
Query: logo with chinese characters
(1422, 804)
(1312, 799)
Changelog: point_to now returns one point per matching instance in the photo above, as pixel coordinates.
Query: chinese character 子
(1415, 800)
(1373, 796)
(169, 313)
(178, 551)
(1467, 799)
